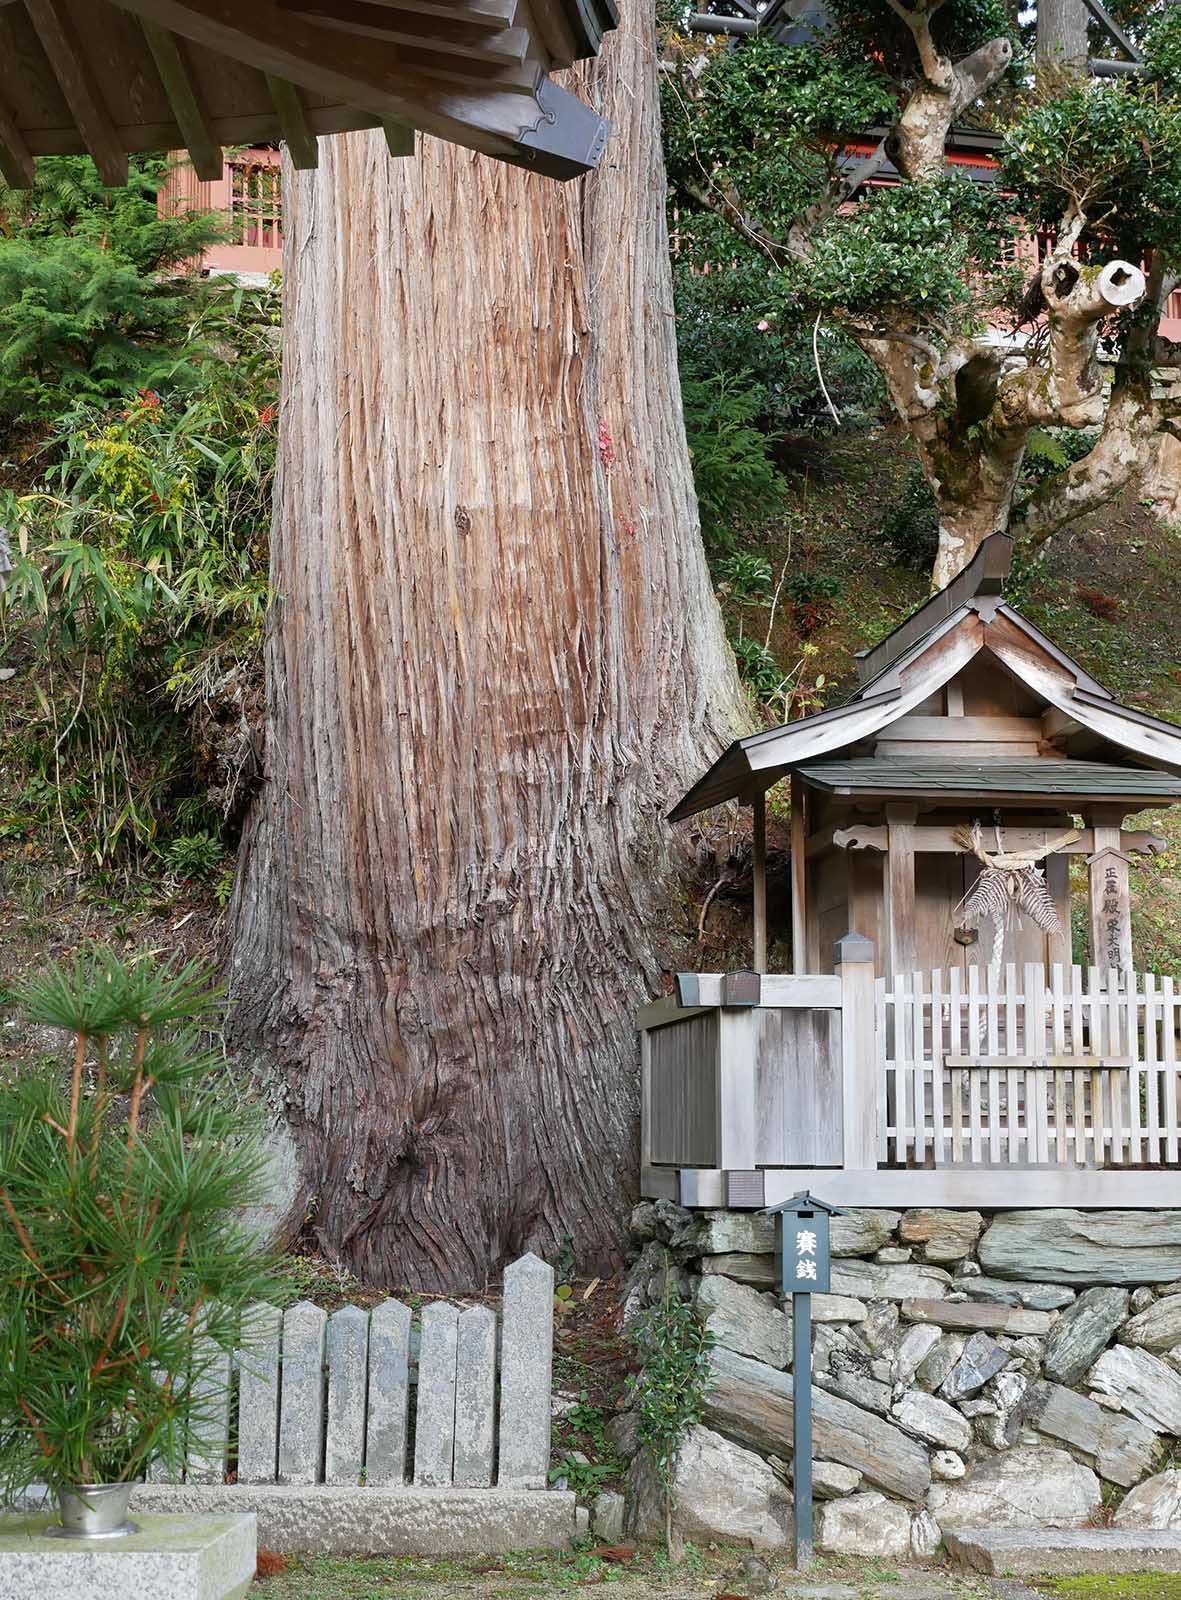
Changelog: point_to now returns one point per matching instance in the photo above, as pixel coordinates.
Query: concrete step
(1025, 1552)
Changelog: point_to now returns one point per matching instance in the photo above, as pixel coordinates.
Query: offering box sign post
(804, 1270)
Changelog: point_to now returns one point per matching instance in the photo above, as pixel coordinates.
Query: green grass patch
(1117, 1586)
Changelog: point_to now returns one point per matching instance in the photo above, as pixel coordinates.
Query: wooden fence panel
(1027, 1071)
(682, 1090)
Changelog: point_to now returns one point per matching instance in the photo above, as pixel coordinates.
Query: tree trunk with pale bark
(494, 660)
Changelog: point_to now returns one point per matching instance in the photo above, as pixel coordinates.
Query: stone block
(1155, 1503)
(1065, 1246)
(932, 1420)
(1035, 1296)
(944, 1235)
(301, 1402)
(526, 1371)
(405, 1521)
(1143, 1385)
(981, 1359)
(258, 1394)
(607, 1516)
(389, 1394)
(925, 1535)
(720, 1491)
(1157, 1327)
(434, 1416)
(1032, 1486)
(861, 1231)
(936, 1366)
(475, 1398)
(915, 1346)
(838, 1308)
(1122, 1449)
(977, 1315)
(752, 1402)
(866, 1525)
(1065, 1552)
(730, 1232)
(760, 1270)
(170, 1558)
(741, 1319)
(948, 1465)
(348, 1367)
(211, 1394)
(866, 1280)
(1082, 1331)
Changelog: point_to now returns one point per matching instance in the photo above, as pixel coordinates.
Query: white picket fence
(1009, 1070)
(341, 1400)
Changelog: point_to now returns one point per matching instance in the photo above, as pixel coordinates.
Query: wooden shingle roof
(967, 619)
(1049, 777)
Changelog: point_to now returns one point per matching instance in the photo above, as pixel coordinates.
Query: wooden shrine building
(934, 1018)
(109, 77)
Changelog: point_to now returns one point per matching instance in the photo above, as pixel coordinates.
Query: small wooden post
(759, 837)
(799, 876)
(1110, 894)
(859, 1052)
(900, 930)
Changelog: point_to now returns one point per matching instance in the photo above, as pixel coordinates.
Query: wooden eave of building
(924, 654)
(1064, 781)
(112, 77)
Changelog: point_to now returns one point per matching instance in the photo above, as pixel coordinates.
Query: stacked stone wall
(1008, 1370)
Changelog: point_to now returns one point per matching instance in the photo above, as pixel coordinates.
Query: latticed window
(256, 200)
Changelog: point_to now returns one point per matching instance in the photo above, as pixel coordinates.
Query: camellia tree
(923, 274)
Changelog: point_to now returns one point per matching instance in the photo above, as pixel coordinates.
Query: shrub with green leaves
(91, 304)
(124, 1266)
(735, 478)
(672, 1347)
(139, 582)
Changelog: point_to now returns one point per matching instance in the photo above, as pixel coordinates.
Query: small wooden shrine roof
(110, 77)
(1050, 778)
(967, 619)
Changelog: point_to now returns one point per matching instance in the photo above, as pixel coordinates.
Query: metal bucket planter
(94, 1511)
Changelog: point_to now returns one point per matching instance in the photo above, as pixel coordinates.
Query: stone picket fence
(327, 1400)
(379, 1431)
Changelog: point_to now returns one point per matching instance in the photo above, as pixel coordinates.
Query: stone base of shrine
(170, 1558)
(975, 1188)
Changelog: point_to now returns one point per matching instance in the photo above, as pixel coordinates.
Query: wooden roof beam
(446, 36)
(293, 124)
(494, 14)
(204, 150)
(56, 32)
(16, 163)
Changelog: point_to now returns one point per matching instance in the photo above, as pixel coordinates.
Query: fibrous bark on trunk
(494, 657)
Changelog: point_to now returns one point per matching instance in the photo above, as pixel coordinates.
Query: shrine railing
(1077, 1067)
(994, 1087)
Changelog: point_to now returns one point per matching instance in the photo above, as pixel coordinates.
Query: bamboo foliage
(123, 1263)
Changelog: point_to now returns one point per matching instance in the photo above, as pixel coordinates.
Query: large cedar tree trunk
(494, 660)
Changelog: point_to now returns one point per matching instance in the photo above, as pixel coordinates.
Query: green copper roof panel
(1048, 776)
